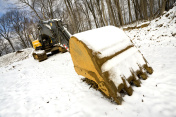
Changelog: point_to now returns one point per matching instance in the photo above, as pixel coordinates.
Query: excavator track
(39, 55)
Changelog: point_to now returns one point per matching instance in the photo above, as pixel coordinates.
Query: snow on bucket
(109, 58)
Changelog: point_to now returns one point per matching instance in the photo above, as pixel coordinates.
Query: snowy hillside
(16, 56)
(52, 88)
(160, 32)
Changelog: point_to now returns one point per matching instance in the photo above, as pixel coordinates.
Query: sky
(2, 4)
(5, 5)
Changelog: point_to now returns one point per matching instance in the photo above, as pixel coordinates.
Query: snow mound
(104, 41)
(14, 57)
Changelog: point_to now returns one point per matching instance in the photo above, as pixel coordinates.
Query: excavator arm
(54, 29)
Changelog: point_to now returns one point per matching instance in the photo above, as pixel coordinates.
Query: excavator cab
(46, 42)
(52, 38)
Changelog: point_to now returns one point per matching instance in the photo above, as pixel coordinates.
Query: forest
(20, 22)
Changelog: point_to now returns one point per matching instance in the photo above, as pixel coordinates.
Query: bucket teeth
(134, 79)
(127, 87)
(148, 69)
(137, 83)
(118, 100)
(142, 75)
(112, 72)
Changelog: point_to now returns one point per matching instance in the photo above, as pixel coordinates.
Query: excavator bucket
(107, 57)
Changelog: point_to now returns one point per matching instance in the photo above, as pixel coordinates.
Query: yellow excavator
(106, 57)
(53, 37)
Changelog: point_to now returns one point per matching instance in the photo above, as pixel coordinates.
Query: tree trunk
(91, 8)
(80, 25)
(139, 9)
(129, 8)
(124, 14)
(151, 8)
(86, 12)
(145, 9)
(70, 15)
(23, 42)
(119, 12)
(97, 4)
(7, 38)
(4, 46)
(135, 10)
(11, 44)
(110, 13)
(103, 13)
(162, 9)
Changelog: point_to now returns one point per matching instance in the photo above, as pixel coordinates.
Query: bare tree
(72, 15)
(117, 3)
(136, 9)
(90, 6)
(3, 47)
(99, 12)
(129, 10)
(43, 9)
(86, 12)
(162, 9)
(151, 3)
(111, 13)
(17, 19)
(32, 5)
(145, 14)
(103, 12)
(5, 29)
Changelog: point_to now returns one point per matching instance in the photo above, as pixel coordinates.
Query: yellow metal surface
(36, 43)
(62, 49)
(85, 64)
(51, 24)
(89, 66)
(39, 57)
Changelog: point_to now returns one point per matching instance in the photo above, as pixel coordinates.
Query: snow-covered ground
(53, 89)
(16, 56)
